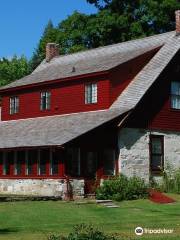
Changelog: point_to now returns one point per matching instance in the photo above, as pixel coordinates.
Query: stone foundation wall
(41, 187)
(134, 151)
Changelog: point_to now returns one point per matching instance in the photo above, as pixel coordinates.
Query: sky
(22, 22)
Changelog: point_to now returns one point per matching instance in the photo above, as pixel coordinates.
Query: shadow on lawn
(7, 230)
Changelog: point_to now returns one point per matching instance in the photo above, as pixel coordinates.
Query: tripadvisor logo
(140, 231)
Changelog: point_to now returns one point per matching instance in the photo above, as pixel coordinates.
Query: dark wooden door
(90, 172)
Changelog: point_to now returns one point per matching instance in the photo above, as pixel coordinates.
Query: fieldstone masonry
(41, 187)
(134, 151)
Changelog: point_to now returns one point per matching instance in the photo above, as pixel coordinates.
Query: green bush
(171, 181)
(84, 232)
(122, 188)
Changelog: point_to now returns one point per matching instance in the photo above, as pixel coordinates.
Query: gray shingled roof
(91, 61)
(53, 130)
(147, 76)
(58, 130)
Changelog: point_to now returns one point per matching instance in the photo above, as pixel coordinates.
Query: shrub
(88, 232)
(84, 232)
(56, 237)
(122, 188)
(171, 181)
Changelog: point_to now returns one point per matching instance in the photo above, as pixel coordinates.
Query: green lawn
(35, 220)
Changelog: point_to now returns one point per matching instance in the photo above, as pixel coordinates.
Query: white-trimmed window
(45, 100)
(91, 93)
(14, 104)
(175, 95)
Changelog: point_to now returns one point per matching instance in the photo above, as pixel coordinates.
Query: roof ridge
(114, 44)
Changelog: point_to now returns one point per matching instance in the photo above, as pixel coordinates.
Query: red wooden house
(91, 115)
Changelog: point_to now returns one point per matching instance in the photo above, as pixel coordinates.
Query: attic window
(91, 93)
(175, 95)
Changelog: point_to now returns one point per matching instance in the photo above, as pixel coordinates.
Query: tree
(49, 35)
(116, 21)
(13, 69)
(143, 16)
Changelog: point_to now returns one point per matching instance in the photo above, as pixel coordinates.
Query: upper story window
(175, 95)
(91, 93)
(14, 105)
(45, 100)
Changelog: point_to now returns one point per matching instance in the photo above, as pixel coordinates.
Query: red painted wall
(154, 111)
(123, 75)
(69, 96)
(66, 97)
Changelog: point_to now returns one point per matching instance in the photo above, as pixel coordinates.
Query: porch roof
(52, 130)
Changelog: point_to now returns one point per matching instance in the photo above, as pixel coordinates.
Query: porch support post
(79, 161)
(50, 161)
(4, 163)
(26, 162)
(14, 163)
(62, 161)
(38, 161)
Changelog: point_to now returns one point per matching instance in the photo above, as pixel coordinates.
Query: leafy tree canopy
(13, 69)
(115, 21)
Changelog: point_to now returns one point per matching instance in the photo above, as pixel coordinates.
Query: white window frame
(91, 93)
(14, 105)
(175, 95)
(47, 96)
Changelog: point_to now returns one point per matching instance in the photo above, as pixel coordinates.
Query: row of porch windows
(45, 99)
(25, 162)
(47, 162)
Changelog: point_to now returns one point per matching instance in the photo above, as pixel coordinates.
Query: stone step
(112, 206)
(103, 201)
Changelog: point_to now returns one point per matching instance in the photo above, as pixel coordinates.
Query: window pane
(94, 93)
(109, 162)
(14, 105)
(156, 162)
(156, 145)
(91, 163)
(175, 102)
(45, 100)
(73, 161)
(157, 153)
(56, 156)
(30, 161)
(44, 157)
(91, 93)
(19, 161)
(175, 88)
(8, 159)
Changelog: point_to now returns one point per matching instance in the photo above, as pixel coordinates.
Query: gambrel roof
(59, 129)
(91, 61)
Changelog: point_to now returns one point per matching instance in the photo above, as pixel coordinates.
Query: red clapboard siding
(123, 75)
(66, 97)
(154, 110)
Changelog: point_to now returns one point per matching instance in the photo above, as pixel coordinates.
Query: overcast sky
(22, 22)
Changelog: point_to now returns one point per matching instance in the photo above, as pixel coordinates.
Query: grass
(35, 220)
